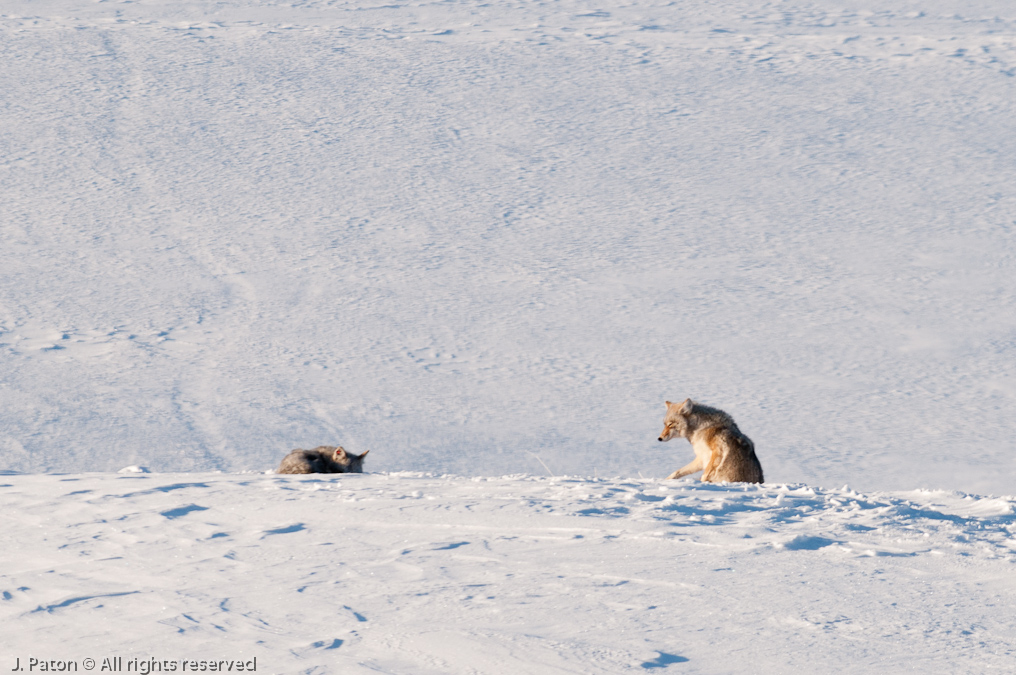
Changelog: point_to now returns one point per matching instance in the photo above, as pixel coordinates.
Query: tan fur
(722, 452)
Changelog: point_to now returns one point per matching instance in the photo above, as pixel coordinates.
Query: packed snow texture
(417, 574)
(492, 238)
(489, 238)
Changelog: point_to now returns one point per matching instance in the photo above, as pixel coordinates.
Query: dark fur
(322, 459)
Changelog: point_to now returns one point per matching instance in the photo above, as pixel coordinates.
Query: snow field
(492, 238)
(476, 237)
(415, 573)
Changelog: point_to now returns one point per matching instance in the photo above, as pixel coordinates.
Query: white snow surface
(417, 574)
(486, 241)
(481, 238)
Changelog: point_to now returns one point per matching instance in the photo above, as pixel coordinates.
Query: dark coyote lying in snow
(322, 459)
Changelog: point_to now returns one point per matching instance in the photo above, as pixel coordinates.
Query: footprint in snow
(663, 660)
(182, 511)
(327, 644)
(448, 547)
(807, 543)
(286, 530)
(359, 617)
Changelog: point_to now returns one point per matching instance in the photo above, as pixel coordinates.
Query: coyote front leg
(692, 467)
(711, 466)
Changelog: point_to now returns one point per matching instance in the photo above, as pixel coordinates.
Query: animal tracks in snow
(34, 340)
(360, 573)
(769, 517)
(792, 517)
(790, 36)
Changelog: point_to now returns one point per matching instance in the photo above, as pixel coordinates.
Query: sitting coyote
(322, 459)
(722, 452)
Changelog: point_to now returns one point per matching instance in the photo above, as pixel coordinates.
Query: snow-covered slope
(492, 238)
(417, 574)
(488, 237)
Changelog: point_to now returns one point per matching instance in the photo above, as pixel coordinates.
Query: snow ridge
(412, 572)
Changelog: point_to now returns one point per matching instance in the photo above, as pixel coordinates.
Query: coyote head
(676, 421)
(352, 463)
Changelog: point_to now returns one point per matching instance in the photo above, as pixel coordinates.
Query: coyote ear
(686, 406)
(668, 403)
(364, 454)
